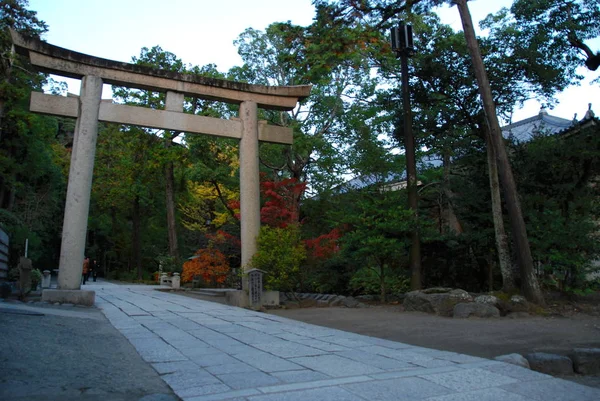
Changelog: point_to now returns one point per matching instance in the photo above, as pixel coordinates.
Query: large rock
(488, 300)
(514, 359)
(465, 310)
(586, 360)
(350, 302)
(440, 303)
(308, 303)
(551, 364)
(337, 300)
(518, 303)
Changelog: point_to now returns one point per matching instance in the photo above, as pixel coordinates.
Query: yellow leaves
(206, 206)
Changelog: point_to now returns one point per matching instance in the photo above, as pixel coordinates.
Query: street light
(402, 39)
(402, 44)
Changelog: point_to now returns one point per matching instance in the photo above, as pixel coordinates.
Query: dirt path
(479, 337)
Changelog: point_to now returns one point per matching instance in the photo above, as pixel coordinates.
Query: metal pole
(411, 177)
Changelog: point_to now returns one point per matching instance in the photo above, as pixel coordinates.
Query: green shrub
(280, 254)
(366, 281)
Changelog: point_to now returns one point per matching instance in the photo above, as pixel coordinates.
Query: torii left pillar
(78, 199)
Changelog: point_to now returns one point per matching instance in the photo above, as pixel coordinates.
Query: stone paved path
(208, 351)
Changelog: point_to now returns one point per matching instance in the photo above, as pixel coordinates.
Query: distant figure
(86, 269)
(94, 270)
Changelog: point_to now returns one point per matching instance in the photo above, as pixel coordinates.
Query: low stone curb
(308, 300)
(585, 361)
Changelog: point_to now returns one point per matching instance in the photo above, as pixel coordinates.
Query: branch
(593, 60)
(222, 199)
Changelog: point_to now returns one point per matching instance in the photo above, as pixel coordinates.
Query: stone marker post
(24, 275)
(46, 280)
(249, 185)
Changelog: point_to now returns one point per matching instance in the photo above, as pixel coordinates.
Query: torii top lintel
(68, 63)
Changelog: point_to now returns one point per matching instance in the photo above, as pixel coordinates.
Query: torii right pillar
(249, 186)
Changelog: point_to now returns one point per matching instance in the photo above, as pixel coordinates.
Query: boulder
(417, 301)
(350, 302)
(437, 302)
(518, 303)
(488, 300)
(586, 360)
(337, 300)
(436, 290)
(514, 359)
(308, 303)
(551, 364)
(465, 310)
(322, 304)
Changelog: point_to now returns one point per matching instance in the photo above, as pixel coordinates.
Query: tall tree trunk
(382, 283)
(451, 220)
(529, 282)
(170, 204)
(137, 239)
(508, 280)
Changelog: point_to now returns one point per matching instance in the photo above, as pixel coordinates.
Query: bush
(366, 281)
(209, 263)
(280, 254)
(36, 278)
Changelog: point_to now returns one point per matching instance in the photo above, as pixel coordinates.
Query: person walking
(94, 270)
(86, 269)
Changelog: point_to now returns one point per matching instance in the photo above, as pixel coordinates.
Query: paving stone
(553, 390)
(491, 394)
(409, 389)
(314, 384)
(297, 376)
(238, 367)
(235, 395)
(469, 379)
(171, 367)
(377, 361)
(266, 362)
(286, 349)
(516, 372)
(326, 393)
(202, 390)
(239, 381)
(321, 345)
(336, 366)
(213, 359)
(189, 378)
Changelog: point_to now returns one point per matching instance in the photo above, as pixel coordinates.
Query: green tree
(378, 234)
(32, 183)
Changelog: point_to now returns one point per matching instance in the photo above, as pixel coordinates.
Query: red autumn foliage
(281, 198)
(324, 246)
(281, 206)
(221, 238)
(209, 263)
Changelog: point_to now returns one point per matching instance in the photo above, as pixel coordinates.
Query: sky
(202, 31)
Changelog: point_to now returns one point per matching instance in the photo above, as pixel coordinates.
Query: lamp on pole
(402, 44)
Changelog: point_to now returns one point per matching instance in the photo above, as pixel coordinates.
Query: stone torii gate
(88, 110)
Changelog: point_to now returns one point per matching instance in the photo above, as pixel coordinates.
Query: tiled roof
(543, 123)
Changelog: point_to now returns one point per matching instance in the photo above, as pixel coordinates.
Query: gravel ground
(70, 353)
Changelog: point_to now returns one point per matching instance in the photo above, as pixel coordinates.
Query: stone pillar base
(76, 297)
(240, 298)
